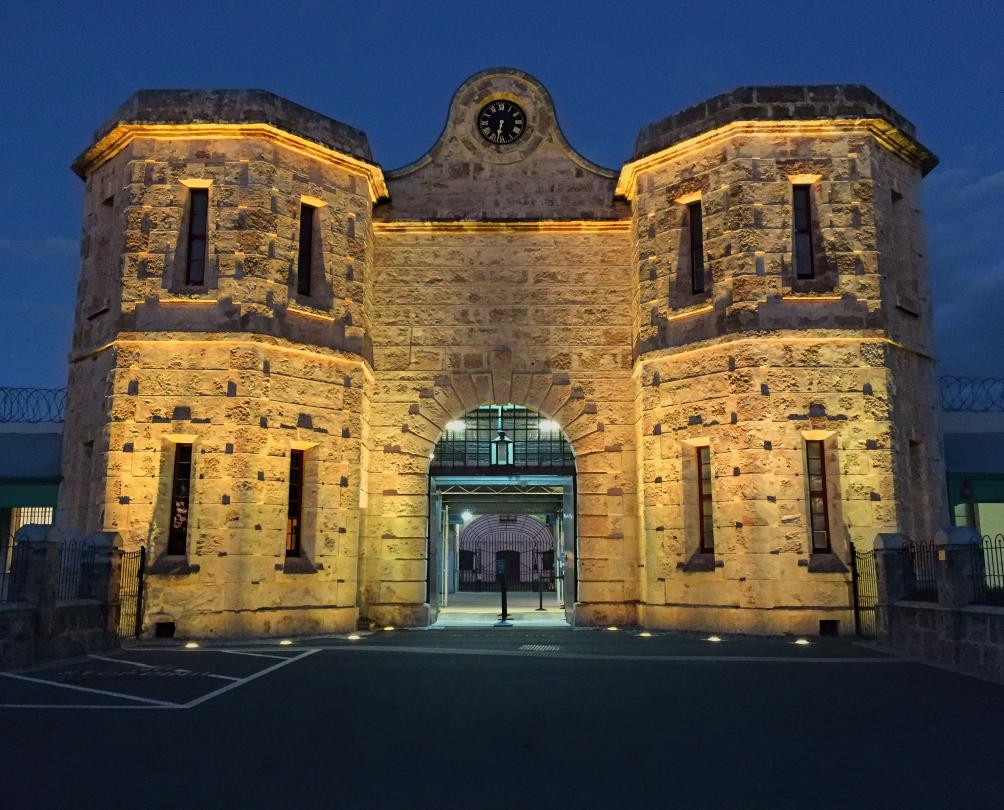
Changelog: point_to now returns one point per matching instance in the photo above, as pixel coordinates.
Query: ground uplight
(611, 627)
(353, 637)
(801, 641)
(645, 634)
(191, 645)
(714, 638)
(388, 628)
(285, 642)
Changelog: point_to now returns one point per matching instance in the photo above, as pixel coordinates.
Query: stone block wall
(469, 315)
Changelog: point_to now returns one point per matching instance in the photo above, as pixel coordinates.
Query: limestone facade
(491, 274)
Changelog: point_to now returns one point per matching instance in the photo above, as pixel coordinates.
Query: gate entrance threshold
(473, 610)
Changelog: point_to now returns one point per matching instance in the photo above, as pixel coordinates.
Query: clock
(501, 122)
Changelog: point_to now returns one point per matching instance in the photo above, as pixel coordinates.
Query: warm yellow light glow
(882, 131)
(388, 628)
(353, 637)
(687, 199)
(123, 134)
(691, 312)
(801, 641)
(612, 627)
(544, 226)
(191, 645)
(714, 638)
(285, 642)
(645, 634)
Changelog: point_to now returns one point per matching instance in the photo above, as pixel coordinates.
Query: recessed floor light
(353, 637)
(714, 638)
(191, 645)
(285, 642)
(645, 634)
(611, 627)
(388, 628)
(801, 641)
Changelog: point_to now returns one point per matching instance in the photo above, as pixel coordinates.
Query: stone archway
(409, 413)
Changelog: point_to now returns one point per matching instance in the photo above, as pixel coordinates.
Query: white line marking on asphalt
(80, 706)
(123, 662)
(249, 678)
(105, 692)
(744, 659)
(221, 677)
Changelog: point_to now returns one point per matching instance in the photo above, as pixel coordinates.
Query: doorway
(502, 490)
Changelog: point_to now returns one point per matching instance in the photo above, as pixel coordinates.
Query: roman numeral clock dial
(501, 122)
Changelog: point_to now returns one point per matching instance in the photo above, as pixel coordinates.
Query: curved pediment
(535, 175)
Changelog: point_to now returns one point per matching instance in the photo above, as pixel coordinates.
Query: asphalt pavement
(500, 719)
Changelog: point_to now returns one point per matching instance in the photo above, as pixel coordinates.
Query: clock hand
(501, 124)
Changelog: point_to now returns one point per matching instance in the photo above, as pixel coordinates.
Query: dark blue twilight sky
(390, 68)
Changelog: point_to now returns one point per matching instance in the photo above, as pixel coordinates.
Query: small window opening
(198, 231)
(163, 630)
(305, 258)
(704, 500)
(295, 512)
(696, 247)
(802, 203)
(177, 538)
(829, 627)
(819, 518)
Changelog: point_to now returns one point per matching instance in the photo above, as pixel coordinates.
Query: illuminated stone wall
(482, 274)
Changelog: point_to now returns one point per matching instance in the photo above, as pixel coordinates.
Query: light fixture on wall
(456, 425)
(502, 449)
(547, 426)
(466, 516)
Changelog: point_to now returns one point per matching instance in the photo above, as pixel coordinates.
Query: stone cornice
(121, 135)
(501, 226)
(887, 135)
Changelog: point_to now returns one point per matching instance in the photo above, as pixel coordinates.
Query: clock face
(501, 122)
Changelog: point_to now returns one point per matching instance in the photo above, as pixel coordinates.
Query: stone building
(732, 332)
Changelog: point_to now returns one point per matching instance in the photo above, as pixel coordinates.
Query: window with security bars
(704, 500)
(198, 233)
(294, 515)
(21, 516)
(819, 518)
(493, 436)
(802, 226)
(181, 484)
(696, 225)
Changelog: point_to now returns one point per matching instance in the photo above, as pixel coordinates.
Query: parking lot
(499, 719)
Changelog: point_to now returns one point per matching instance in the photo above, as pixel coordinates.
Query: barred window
(819, 517)
(802, 206)
(198, 231)
(177, 536)
(704, 500)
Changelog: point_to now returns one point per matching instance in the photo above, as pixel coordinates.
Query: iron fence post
(854, 590)
(139, 590)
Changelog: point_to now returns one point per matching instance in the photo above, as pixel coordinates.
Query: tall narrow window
(802, 205)
(181, 484)
(295, 511)
(198, 229)
(696, 247)
(704, 498)
(819, 517)
(305, 260)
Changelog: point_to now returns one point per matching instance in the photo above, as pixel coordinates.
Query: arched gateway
(502, 488)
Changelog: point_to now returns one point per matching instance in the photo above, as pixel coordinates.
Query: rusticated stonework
(493, 274)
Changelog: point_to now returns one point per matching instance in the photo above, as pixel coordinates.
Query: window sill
(701, 562)
(826, 564)
(172, 565)
(297, 565)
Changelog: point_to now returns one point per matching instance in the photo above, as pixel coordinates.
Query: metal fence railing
(78, 574)
(13, 571)
(988, 570)
(32, 404)
(921, 561)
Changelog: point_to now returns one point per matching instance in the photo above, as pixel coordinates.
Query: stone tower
(492, 273)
